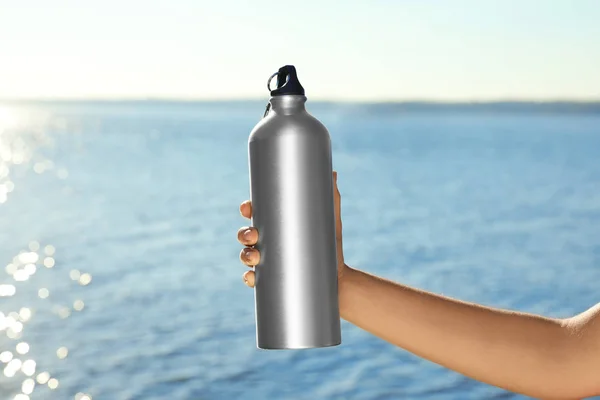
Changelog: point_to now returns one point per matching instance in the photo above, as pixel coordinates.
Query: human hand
(248, 236)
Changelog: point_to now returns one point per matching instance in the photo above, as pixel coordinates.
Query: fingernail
(246, 234)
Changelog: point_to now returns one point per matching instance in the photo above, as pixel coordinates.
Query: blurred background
(466, 135)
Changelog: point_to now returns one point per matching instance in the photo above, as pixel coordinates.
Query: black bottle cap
(287, 82)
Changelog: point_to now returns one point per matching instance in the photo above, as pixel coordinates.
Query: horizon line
(316, 100)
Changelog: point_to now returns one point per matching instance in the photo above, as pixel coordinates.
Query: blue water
(497, 208)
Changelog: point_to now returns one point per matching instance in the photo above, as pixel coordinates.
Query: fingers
(246, 209)
(250, 256)
(247, 236)
(249, 278)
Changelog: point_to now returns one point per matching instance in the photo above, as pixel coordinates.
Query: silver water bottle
(291, 188)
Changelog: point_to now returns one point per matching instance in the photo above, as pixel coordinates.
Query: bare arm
(529, 354)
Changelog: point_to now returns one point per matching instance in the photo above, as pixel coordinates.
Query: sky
(349, 50)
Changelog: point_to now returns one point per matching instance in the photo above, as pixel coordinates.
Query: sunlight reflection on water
(14, 324)
(21, 134)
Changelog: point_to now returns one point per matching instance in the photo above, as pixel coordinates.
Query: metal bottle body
(291, 188)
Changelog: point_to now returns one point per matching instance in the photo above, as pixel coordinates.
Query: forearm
(520, 352)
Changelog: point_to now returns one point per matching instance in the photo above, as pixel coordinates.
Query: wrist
(345, 276)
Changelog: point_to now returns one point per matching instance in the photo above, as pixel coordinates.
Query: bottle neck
(288, 104)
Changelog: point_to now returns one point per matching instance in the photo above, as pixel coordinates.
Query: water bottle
(291, 188)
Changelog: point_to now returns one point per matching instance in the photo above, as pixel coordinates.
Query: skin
(541, 357)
